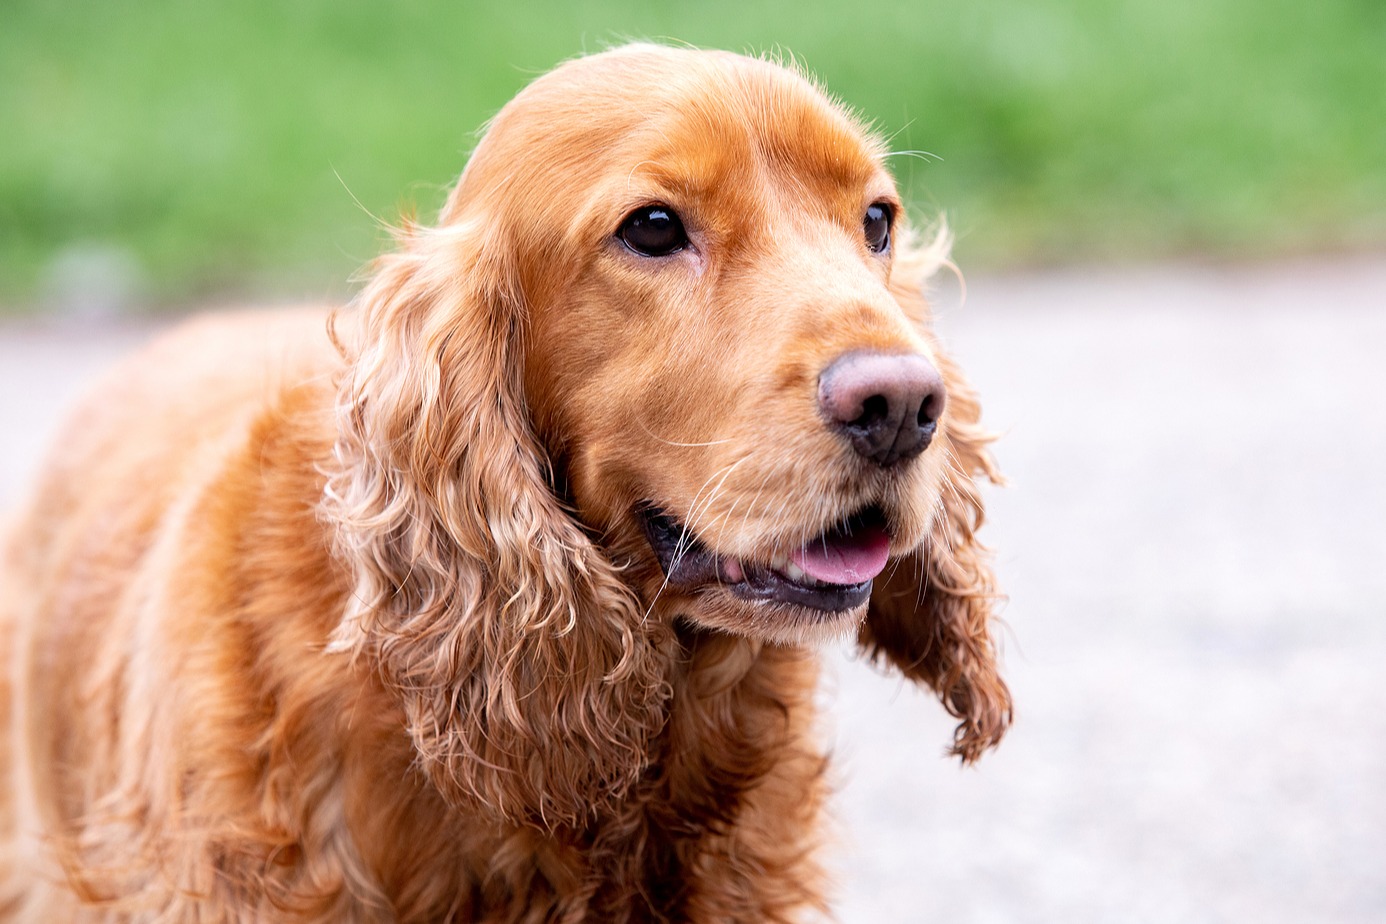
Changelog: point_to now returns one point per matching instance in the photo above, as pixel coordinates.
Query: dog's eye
(654, 231)
(876, 225)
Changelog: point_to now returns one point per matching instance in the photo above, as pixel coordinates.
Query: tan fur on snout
(372, 630)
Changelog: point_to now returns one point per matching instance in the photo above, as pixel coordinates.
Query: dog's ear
(932, 615)
(530, 684)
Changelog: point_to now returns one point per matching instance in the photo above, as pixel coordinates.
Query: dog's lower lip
(688, 564)
(771, 585)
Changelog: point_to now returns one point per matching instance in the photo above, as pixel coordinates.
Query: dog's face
(698, 272)
(662, 358)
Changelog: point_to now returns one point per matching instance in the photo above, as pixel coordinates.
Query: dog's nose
(887, 405)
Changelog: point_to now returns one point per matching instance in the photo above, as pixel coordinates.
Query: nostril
(929, 410)
(874, 409)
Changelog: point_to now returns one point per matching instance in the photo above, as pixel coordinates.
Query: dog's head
(664, 358)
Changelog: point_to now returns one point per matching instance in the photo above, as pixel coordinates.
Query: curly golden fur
(371, 626)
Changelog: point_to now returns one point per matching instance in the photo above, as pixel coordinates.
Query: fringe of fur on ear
(530, 683)
(932, 615)
(960, 591)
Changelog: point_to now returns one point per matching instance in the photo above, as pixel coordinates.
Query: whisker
(655, 436)
(926, 156)
(694, 512)
(719, 525)
(685, 540)
(750, 508)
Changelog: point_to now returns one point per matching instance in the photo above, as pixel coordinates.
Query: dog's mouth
(832, 572)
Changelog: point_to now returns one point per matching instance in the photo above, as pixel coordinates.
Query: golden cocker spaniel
(497, 602)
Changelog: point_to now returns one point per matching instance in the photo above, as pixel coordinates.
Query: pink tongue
(840, 559)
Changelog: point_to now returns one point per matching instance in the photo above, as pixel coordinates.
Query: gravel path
(1194, 544)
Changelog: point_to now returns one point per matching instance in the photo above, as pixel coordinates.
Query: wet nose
(886, 405)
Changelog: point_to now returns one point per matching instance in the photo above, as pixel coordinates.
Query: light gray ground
(1194, 544)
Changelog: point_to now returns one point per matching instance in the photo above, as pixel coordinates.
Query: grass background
(176, 151)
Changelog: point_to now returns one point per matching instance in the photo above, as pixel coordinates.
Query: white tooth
(792, 571)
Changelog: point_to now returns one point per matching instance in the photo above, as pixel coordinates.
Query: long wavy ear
(529, 683)
(932, 615)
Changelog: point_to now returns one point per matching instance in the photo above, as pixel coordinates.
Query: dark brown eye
(653, 231)
(876, 226)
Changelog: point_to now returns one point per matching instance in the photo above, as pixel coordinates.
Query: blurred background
(1172, 222)
(179, 151)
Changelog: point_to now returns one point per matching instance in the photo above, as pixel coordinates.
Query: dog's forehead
(698, 122)
(719, 106)
(762, 116)
(663, 100)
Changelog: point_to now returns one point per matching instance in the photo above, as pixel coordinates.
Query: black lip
(688, 564)
(685, 560)
(765, 584)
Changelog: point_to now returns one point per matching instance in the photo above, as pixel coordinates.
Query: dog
(496, 596)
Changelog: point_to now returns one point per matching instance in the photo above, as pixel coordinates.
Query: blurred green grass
(232, 148)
